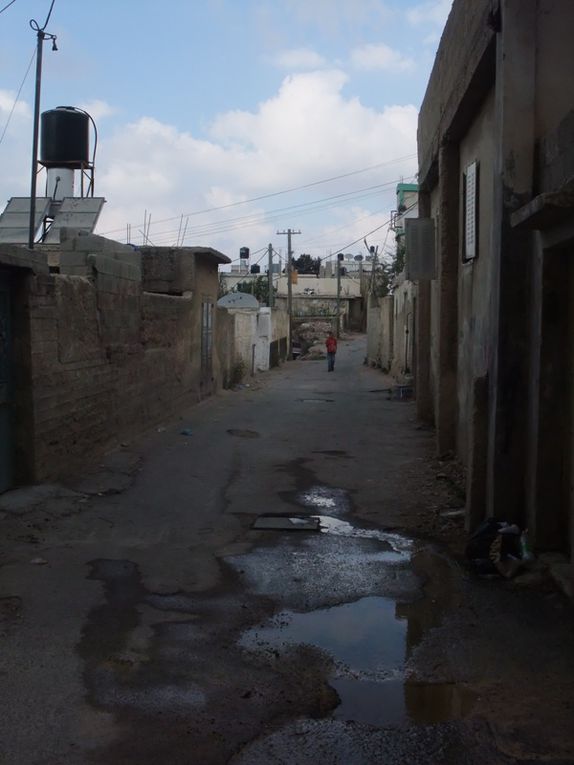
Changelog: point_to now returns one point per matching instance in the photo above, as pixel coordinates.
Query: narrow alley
(257, 582)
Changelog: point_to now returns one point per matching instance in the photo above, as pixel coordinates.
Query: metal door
(206, 343)
(5, 386)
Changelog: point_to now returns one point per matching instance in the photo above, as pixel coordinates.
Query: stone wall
(105, 359)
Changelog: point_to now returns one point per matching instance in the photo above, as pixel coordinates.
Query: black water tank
(255, 269)
(244, 253)
(65, 138)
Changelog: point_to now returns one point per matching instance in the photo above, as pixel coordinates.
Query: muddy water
(368, 637)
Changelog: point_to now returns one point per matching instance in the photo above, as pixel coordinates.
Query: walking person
(331, 343)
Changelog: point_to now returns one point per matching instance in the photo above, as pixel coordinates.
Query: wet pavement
(165, 627)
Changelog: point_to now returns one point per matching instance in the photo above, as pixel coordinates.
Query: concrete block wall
(224, 340)
(403, 329)
(380, 329)
(105, 359)
(279, 323)
(168, 269)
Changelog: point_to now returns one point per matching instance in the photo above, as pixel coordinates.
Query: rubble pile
(311, 337)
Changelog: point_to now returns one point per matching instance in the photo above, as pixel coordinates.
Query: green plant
(259, 287)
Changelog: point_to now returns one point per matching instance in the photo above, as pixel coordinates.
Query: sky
(230, 120)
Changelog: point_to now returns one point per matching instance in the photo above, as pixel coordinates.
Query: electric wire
(229, 224)
(378, 228)
(7, 6)
(278, 193)
(17, 96)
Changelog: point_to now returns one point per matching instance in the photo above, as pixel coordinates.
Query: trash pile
(499, 548)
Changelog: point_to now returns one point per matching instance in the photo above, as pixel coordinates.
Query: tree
(305, 264)
(381, 278)
(258, 286)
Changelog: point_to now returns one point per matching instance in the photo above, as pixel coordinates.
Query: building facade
(494, 331)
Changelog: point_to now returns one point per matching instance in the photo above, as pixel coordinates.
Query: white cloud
(299, 58)
(308, 130)
(98, 109)
(372, 57)
(433, 11)
(16, 146)
(21, 108)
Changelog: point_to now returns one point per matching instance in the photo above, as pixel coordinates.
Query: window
(470, 194)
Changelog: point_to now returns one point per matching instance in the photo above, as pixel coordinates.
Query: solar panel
(15, 220)
(76, 212)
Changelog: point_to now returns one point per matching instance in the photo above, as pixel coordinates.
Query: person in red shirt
(331, 343)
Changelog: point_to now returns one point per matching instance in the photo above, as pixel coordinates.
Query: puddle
(368, 641)
(394, 702)
(364, 638)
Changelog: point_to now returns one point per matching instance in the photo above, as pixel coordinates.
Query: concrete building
(101, 344)
(260, 334)
(494, 331)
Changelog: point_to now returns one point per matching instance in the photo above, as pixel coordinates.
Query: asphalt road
(143, 620)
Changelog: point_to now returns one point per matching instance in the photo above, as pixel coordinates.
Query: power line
(17, 95)
(7, 6)
(278, 193)
(229, 224)
(360, 239)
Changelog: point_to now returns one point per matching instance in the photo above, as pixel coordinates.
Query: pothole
(243, 433)
(316, 400)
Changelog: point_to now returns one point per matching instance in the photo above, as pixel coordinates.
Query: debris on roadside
(186, 432)
(499, 548)
(39, 562)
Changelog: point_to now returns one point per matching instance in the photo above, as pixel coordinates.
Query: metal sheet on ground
(286, 523)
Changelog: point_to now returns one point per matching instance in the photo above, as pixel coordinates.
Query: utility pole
(339, 259)
(270, 298)
(41, 35)
(289, 233)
